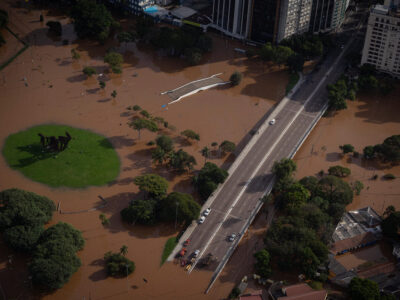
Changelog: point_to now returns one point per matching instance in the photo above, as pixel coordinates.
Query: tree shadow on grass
(37, 153)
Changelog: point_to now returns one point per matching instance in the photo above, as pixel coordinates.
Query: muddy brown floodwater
(57, 92)
(367, 121)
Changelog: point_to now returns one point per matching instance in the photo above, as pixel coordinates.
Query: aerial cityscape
(200, 149)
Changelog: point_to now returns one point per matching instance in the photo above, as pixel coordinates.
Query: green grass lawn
(294, 77)
(90, 159)
(169, 246)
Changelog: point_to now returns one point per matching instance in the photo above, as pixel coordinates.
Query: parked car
(196, 253)
(207, 212)
(182, 252)
(272, 122)
(186, 243)
(202, 219)
(232, 237)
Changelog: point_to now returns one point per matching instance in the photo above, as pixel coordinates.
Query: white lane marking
(266, 156)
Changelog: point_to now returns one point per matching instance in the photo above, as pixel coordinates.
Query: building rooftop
(257, 295)
(362, 240)
(356, 222)
(301, 291)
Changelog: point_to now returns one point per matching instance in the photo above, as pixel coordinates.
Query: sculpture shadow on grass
(37, 152)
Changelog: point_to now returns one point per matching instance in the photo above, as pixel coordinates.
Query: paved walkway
(194, 87)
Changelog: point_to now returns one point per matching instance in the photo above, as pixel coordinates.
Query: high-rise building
(382, 41)
(232, 17)
(261, 20)
(327, 15)
(294, 18)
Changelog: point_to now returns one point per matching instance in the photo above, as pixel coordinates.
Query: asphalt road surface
(242, 190)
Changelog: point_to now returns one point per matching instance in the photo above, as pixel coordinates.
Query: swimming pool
(151, 9)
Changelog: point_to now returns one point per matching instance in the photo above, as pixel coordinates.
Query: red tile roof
(302, 291)
(352, 242)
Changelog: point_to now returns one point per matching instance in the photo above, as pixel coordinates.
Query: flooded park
(45, 85)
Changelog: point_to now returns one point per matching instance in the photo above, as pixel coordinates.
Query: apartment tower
(382, 41)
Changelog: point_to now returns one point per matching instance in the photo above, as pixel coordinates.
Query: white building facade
(382, 41)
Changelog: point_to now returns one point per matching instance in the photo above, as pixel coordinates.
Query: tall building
(327, 15)
(232, 17)
(294, 18)
(261, 20)
(382, 41)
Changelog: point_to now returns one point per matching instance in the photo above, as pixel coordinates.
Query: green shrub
(389, 176)
(236, 78)
(118, 265)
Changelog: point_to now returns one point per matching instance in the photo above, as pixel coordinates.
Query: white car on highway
(202, 219)
(207, 212)
(232, 237)
(272, 122)
(196, 253)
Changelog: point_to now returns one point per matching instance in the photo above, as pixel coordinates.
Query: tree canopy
(114, 60)
(91, 20)
(19, 207)
(139, 124)
(140, 211)
(187, 209)
(363, 289)
(284, 168)
(339, 171)
(208, 178)
(227, 146)
(181, 161)
(190, 134)
(235, 78)
(154, 186)
(391, 225)
(118, 265)
(262, 264)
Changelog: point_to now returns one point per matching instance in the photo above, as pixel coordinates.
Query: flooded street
(58, 92)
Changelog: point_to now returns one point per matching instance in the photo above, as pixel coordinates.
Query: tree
(369, 152)
(358, 186)
(139, 124)
(54, 260)
(337, 95)
(206, 153)
(159, 155)
(281, 54)
(89, 71)
(190, 134)
(62, 231)
(207, 180)
(125, 37)
(227, 146)
(295, 196)
(389, 210)
(267, 52)
(145, 114)
(123, 250)
(204, 43)
(339, 171)
(390, 149)
(54, 27)
(295, 62)
(391, 225)
(114, 60)
(3, 18)
(346, 148)
(140, 211)
(102, 84)
(262, 264)
(19, 207)
(118, 265)
(114, 94)
(284, 168)
(153, 185)
(335, 190)
(181, 160)
(165, 143)
(22, 238)
(363, 289)
(236, 78)
(75, 54)
(91, 20)
(193, 56)
(187, 209)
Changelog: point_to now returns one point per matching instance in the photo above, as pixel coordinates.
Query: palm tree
(114, 94)
(123, 250)
(206, 153)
